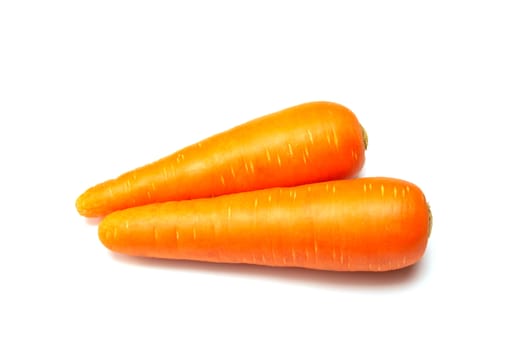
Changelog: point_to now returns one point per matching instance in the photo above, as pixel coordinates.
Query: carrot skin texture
(311, 142)
(366, 224)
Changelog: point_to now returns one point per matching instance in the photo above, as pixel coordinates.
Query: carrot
(365, 224)
(312, 142)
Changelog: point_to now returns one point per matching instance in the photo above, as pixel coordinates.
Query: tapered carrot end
(87, 206)
(81, 205)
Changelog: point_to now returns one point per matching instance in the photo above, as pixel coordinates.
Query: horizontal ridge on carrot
(364, 224)
(311, 142)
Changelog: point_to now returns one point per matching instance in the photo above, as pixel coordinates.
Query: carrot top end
(430, 220)
(365, 137)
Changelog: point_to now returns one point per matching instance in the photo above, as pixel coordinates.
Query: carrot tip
(84, 205)
(79, 204)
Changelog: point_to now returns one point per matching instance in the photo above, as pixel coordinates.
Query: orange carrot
(312, 142)
(366, 224)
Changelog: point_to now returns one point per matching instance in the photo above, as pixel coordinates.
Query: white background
(91, 89)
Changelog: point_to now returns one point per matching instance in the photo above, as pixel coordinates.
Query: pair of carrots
(270, 192)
